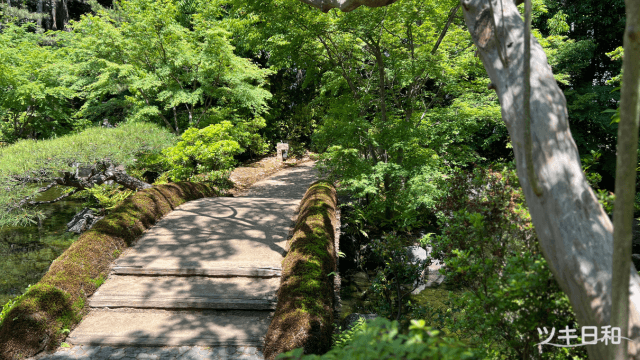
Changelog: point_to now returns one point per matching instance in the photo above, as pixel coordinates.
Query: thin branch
(452, 14)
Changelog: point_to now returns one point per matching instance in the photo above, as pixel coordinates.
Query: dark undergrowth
(48, 310)
(304, 314)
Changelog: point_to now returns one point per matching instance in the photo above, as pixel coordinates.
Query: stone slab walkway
(200, 284)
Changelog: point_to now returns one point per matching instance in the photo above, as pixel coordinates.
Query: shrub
(207, 151)
(490, 248)
(381, 339)
(304, 313)
(396, 279)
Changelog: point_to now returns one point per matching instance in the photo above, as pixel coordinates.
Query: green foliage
(343, 338)
(381, 339)
(34, 96)
(595, 33)
(392, 110)
(396, 279)
(146, 61)
(47, 159)
(207, 152)
(105, 196)
(490, 249)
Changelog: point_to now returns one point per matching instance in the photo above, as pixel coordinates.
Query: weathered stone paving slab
(170, 292)
(171, 328)
(212, 270)
(216, 232)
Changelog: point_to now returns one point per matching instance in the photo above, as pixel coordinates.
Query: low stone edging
(304, 313)
(52, 307)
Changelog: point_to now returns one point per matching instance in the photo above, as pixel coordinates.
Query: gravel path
(289, 183)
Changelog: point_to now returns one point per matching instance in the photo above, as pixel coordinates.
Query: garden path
(200, 284)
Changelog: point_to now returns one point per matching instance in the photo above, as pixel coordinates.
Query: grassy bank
(43, 316)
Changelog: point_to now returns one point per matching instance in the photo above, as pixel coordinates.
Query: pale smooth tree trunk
(575, 234)
(627, 161)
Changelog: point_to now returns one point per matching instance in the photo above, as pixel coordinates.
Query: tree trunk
(64, 15)
(575, 234)
(346, 5)
(40, 12)
(574, 231)
(627, 161)
(54, 3)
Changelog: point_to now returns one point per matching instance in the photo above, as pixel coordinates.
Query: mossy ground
(49, 309)
(304, 315)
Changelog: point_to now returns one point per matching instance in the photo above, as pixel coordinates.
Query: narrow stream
(27, 252)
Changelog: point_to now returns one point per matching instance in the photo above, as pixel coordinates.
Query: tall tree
(576, 235)
(142, 59)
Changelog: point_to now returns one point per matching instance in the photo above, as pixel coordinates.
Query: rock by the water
(431, 277)
(83, 221)
(416, 253)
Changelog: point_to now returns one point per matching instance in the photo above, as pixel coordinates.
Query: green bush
(381, 339)
(489, 247)
(205, 154)
(396, 279)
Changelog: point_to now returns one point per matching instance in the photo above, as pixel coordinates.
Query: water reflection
(27, 252)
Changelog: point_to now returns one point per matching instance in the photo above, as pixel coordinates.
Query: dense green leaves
(142, 63)
(34, 100)
(490, 250)
(382, 340)
(208, 151)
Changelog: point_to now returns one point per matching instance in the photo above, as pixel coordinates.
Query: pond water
(355, 285)
(27, 252)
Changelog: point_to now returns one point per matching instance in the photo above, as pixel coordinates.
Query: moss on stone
(304, 313)
(49, 309)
